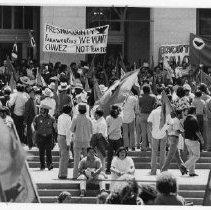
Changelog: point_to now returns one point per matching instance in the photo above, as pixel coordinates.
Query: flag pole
(2, 194)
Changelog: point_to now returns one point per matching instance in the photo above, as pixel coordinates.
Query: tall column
(170, 26)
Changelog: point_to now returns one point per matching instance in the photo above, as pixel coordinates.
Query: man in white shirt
(100, 126)
(18, 101)
(64, 139)
(130, 109)
(159, 139)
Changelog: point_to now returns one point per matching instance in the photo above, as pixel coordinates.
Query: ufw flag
(39, 79)
(118, 92)
(15, 181)
(15, 51)
(97, 92)
(32, 40)
(11, 70)
(200, 50)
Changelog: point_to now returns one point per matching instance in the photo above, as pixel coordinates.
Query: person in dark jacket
(29, 115)
(44, 125)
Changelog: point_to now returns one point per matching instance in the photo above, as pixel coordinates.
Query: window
(204, 22)
(28, 17)
(103, 16)
(18, 22)
(7, 17)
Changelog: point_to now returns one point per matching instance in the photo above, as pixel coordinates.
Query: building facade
(135, 33)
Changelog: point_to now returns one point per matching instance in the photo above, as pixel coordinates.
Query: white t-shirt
(154, 118)
(121, 165)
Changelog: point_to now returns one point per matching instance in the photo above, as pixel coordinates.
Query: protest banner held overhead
(178, 54)
(86, 41)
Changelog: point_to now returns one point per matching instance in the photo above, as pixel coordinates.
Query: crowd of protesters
(62, 110)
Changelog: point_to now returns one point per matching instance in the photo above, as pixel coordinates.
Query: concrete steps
(48, 191)
(135, 159)
(137, 165)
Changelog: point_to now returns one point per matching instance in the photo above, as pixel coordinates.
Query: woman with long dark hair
(114, 124)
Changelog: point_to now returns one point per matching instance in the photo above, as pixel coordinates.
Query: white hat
(80, 71)
(79, 85)
(25, 80)
(54, 78)
(146, 65)
(85, 67)
(52, 85)
(47, 92)
(63, 86)
(82, 96)
(44, 106)
(103, 88)
(187, 87)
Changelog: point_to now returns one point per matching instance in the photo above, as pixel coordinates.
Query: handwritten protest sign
(86, 41)
(176, 54)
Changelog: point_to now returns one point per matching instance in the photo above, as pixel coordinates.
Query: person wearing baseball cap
(44, 126)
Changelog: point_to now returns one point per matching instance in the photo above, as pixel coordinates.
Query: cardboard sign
(86, 41)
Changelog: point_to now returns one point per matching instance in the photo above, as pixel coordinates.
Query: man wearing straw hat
(63, 98)
(49, 101)
(45, 125)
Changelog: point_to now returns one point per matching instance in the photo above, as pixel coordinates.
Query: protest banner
(177, 54)
(86, 41)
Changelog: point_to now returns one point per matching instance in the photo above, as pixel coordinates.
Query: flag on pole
(32, 40)
(117, 93)
(15, 180)
(121, 63)
(97, 92)
(72, 78)
(15, 50)
(12, 83)
(39, 79)
(87, 88)
(122, 73)
(10, 67)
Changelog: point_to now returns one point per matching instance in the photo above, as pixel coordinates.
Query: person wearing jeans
(146, 104)
(64, 139)
(83, 129)
(158, 140)
(130, 110)
(174, 129)
(114, 124)
(193, 137)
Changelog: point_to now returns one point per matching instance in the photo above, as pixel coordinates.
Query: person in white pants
(90, 171)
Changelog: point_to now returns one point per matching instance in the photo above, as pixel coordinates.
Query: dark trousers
(18, 120)
(114, 145)
(44, 144)
(29, 135)
(200, 120)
